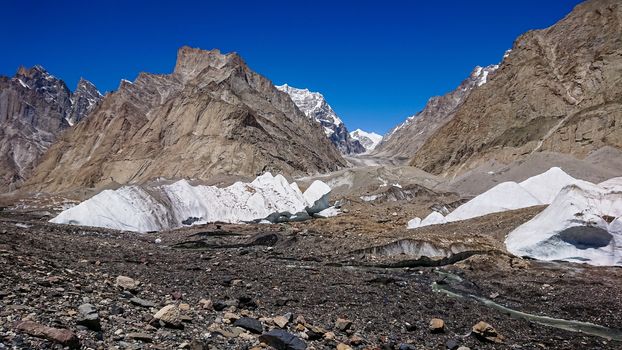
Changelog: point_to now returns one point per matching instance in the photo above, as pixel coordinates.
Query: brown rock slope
(212, 115)
(403, 142)
(560, 90)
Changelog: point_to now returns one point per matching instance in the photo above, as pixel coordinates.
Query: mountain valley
(208, 208)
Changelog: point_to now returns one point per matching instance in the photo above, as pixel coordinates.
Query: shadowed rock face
(34, 108)
(559, 89)
(212, 115)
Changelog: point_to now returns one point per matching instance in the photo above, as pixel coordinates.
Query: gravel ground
(314, 276)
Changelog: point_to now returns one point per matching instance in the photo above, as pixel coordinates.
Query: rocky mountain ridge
(314, 106)
(83, 100)
(212, 116)
(558, 90)
(403, 141)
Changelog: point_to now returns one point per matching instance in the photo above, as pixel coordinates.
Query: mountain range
(212, 116)
(557, 90)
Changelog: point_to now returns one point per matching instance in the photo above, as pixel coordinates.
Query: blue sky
(376, 62)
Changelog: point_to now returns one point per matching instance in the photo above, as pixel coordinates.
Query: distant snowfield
(581, 224)
(132, 208)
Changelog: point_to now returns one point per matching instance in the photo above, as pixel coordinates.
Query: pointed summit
(369, 140)
(84, 99)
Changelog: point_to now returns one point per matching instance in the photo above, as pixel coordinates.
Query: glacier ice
(134, 208)
(582, 224)
(536, 190)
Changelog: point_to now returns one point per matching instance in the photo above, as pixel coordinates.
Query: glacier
(582, 222)
(140, 209)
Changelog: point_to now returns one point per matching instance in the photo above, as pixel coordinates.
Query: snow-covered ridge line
(134, 208)
(312, 104)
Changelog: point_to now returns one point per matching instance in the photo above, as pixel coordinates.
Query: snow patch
(328, 212)
(370, 198)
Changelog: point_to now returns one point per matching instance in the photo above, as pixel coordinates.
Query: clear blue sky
(376, 62)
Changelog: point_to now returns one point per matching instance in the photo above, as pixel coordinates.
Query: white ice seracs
(414, 223)
(434, 218)
(582, 224)
(548, 184)
(132, 208)
(537, 190)
(129, 208)
(503, 197)
(316, 197)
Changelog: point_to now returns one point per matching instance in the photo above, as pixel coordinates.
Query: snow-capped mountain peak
(369, 140)
(314, 106)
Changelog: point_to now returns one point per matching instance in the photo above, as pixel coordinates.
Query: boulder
(61, 336)
(143, 337)
(127, 283)
(282, 340)
(343, 324)
(250, 324)
(486, 332)
(282, 321)
(142, 302)
(89, 317)
(437, 325)
(169, 316)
